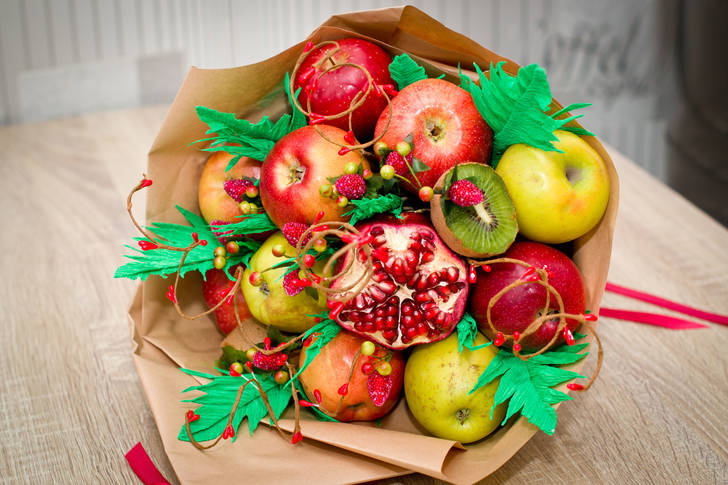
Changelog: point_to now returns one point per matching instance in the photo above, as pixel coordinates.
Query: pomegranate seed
(344, 389)
(390, 335)
(376, 231)
(574, 386)
(147, 245)
(427, 256)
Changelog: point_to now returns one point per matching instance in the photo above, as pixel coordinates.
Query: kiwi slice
(482, 230)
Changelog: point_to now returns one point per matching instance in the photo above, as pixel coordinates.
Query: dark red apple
(516, 309)
(214, 288)
(445, 125)
(294, 170)
(361, 396)
(334, 91)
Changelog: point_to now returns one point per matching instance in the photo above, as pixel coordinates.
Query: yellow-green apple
(445, 125)
(558, 196)
(353, 386)
(437, 383)
(268, 301)
(517, 308)
(333, 92)
(296, 168)
(215, 287)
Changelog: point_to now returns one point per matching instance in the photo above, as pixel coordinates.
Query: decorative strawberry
(216, 287)
(398, 162)
(379, 387)
(465, 193)
(269, 362)
(352, 186)
(293, 231)
(289, 284)
(236, 188)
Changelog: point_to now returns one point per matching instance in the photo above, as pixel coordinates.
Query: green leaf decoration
(528, 385)
(249, 224)
(164, 262)
(418, 165)
(405, 71)
(328, 329)
(366, 208)
(242, 138)
(516, 108)
(218, 397)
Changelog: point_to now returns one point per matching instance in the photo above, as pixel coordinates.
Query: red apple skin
(214, 288)
(215, 203)
(330, 369)
(445, 125)
(516, 309)
(294, 170)
(335, 90)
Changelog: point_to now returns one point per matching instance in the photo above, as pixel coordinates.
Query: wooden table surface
(72, 404)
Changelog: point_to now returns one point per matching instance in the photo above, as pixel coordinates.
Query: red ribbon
(666, 321)
(143, 466)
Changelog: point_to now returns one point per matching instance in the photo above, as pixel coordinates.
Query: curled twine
(355, 241)
(358, 100)
(542, 279)
(233, 292)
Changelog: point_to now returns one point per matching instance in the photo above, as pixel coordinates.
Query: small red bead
(486, 268)
(389, 89)
(499, 339)
(170, 294)
(377, 89)
(568, 336)
(317, 319)
(249, 365)
(516, 347)
(472, 275)
(344, 150)
(344, 389)
(146, 183)
(195, 237)
(317, 395)
(367, 368)
(349, 137)
(296, 437)
(307, 342)
(590, 317)
(234, 373)
(316, 278)
(516, 335)
(192, 417)
(309, 260)
(302, 283)
(315, 119)
(308, 46)
(336, 310)
(305, 403)
(306, 75)
(266, 343)
(203, 242)
(229, 300)
(574, 386)
(147, 245)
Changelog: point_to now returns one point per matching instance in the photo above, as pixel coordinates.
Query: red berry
(399, 163)
(269, 362)
(236, 188)
(146, 183)
(367, 368)
(293, 231)
(309, 260)
(574, 386)
(465, 193)
(146, 245)
(426, 193)
(352, 186)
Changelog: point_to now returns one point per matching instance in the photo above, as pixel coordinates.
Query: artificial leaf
(327, 329)
(467, 330)
(229, 355)
(217, 400)
(527, 385)
(405, 71)
(516, 107)
(249, 224)
(366, 208)
(242, 138)
(418, 165)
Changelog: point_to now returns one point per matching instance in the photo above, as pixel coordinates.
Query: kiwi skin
(445, 233)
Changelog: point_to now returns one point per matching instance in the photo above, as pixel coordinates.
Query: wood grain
(71, 400)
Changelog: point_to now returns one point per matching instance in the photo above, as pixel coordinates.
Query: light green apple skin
(437, 380)
(558, 196)
(269, 303)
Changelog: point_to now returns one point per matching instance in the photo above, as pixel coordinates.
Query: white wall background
(63, 57)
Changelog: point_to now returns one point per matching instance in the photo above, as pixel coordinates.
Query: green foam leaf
(528, 385)
(327, 330)
(405, 71)
(366, 207)
(516, 108)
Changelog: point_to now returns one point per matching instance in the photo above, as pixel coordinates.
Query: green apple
(558, 196)
(437, 380)
(269, 303)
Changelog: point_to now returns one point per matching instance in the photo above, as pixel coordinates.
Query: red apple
(334, 91)
(445, 125)
(215, 203)
(294, 170)
(214, 288)
(330, 371)
(516, 309)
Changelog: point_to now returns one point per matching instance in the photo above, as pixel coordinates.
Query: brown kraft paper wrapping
(162, 342)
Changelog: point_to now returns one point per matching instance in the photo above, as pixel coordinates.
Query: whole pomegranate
(418, 290)
(350, 383)
(517, 308)
(333, 92)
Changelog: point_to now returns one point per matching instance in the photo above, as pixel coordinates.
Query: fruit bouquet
(383, 244)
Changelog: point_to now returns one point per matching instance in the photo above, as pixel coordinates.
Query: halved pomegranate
(418, 289)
